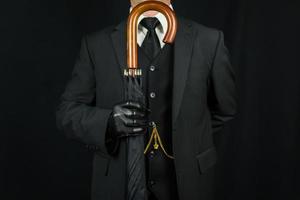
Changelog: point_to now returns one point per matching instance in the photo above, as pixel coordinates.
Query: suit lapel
(183, 46)
(182, 54)
(118, 37)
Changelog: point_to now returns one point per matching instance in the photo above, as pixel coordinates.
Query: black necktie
(151, 44)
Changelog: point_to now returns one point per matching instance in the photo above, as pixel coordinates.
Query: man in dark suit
(190, 91)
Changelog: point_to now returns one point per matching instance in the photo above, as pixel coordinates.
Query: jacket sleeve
(76, 115)
(222, 97)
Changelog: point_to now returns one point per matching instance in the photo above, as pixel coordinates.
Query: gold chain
(157, 142)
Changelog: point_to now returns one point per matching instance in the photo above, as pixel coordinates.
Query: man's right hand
(128, 118)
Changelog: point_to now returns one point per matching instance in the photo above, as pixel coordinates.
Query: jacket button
(152, 95)
(152, 68)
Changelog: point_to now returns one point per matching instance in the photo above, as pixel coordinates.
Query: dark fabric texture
(158, 80)
(258, 152)
(111, 141)
(196, 74)
(136, 186)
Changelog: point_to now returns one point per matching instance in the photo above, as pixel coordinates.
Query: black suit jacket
(204, 98)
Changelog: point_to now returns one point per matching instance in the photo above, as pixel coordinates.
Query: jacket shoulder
(206, 38)
(99, 34)
(204, 33)
(99, 38)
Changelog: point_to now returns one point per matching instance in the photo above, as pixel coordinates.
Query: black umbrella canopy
(136, 172)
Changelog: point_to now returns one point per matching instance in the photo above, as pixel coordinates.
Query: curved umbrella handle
(132, 55)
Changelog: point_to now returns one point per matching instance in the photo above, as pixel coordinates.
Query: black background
(258, 151)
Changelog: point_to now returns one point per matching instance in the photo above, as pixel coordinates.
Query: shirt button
(152, 95)
(152, 68)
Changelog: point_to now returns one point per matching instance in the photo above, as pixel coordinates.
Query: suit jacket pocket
(207, 159)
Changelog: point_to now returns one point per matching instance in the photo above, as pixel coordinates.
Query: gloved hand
(128, 118)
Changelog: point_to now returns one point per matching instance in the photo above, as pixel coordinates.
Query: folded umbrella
(136, 173)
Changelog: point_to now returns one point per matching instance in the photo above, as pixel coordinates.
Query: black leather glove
(128, 118)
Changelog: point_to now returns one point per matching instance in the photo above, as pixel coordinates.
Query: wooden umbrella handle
(132, 55)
